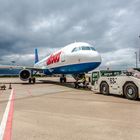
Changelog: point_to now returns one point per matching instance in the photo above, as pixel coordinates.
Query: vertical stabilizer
(36, 56)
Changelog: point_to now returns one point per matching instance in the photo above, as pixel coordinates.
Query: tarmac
(49, 110)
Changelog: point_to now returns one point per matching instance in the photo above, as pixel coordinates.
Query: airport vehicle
(116, 82)
(75, 59)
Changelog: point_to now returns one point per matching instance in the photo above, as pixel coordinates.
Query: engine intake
(24, 75)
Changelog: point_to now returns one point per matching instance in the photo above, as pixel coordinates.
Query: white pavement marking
(5, 117)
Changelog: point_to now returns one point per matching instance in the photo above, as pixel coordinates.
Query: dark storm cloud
(51, 24)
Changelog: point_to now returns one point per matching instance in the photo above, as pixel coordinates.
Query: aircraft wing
(21, 67)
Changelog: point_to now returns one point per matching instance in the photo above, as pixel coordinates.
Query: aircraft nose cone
(95, 56)
(98, 57)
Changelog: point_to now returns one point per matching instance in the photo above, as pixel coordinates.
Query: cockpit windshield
(83, 48)
(75, 50)
(93, 49)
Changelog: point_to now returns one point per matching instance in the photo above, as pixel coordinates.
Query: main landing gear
(63, 79)
(32, 80)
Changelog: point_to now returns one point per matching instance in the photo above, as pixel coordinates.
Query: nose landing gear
(63, 79)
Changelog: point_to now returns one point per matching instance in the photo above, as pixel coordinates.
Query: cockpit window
(83, 48)
(93, 49)
(75, 49)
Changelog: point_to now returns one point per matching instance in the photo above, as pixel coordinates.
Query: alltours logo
(53, 58)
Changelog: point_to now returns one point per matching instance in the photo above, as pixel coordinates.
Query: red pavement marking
(29, 92)
(8, 129)
(1, 92)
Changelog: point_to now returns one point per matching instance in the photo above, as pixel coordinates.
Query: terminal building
(9, 72)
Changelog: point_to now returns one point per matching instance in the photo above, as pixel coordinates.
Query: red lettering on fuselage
(53, 58)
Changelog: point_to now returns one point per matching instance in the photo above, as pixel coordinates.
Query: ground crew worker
(84, 80)
(76, 84)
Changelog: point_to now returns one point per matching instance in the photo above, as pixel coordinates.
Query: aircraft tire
(34, 80)
(64, 79)
(30, 80)
(61, 80)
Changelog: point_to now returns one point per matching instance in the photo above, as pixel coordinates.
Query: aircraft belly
(72, 68)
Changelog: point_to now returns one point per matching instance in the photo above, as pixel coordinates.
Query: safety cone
(10, 86)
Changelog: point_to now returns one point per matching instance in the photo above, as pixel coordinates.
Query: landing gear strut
(83, 83)
(63, 79)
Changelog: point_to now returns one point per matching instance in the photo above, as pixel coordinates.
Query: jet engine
(25, 74)
(78, 76)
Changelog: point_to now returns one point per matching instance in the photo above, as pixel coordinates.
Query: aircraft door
(95, 77)
(63, 57)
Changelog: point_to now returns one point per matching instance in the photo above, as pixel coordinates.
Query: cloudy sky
(113, 26)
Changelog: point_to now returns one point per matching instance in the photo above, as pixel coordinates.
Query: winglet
(36, 56)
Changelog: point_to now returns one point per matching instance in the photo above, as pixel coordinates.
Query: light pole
(139, 51)
(137, 56)
(136, 59)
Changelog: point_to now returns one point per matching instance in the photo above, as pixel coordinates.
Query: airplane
(76, 59)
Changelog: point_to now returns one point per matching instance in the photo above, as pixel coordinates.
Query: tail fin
(36, 56)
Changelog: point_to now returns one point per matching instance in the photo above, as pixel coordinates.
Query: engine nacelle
(25, 74)
(78, 76)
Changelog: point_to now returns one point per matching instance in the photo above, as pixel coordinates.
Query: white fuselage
(72, 59)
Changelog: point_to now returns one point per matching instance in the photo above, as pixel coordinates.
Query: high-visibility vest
(84, 79)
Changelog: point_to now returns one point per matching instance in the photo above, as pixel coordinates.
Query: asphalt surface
(49, 110)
